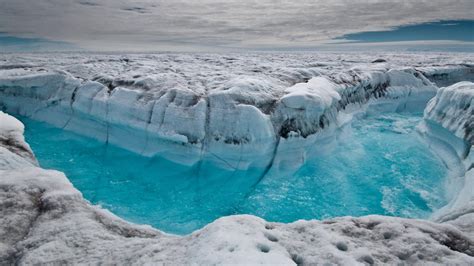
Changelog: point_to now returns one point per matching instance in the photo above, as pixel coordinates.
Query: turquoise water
(380, 166)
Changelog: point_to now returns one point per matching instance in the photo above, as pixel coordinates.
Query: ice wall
(448, 127)
(242, 122)
(453, 109)
(447, 75)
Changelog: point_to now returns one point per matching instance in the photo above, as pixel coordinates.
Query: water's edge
(180, 199)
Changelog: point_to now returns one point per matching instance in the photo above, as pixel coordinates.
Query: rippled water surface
(379, 166)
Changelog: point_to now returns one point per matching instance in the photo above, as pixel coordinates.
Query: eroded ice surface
(197, 107)
(377, 166)
(237, 110)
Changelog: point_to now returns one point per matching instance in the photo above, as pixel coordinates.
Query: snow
(245, 110)
(11, 138)
(11, 126)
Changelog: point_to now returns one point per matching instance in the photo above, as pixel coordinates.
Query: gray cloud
(170, 24)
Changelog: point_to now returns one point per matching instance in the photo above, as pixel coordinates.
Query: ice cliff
(448, 126)
(233, 119)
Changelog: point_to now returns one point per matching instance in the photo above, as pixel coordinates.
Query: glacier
(240, 111)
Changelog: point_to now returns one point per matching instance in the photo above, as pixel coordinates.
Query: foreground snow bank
(44, 219)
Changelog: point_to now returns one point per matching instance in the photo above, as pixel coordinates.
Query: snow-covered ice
(448, 128)
(182, 104)
(242, 111)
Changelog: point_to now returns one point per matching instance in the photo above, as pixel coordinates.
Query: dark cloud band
(145, 24)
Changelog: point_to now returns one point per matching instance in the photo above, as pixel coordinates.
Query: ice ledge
(44, 219)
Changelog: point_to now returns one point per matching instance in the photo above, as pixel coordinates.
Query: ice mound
(11, 139)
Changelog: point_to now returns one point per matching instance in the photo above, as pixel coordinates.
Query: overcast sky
(215, 24)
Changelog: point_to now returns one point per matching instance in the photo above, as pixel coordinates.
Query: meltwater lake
(380, 166)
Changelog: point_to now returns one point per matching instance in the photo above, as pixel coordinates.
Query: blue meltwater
(380, 165)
